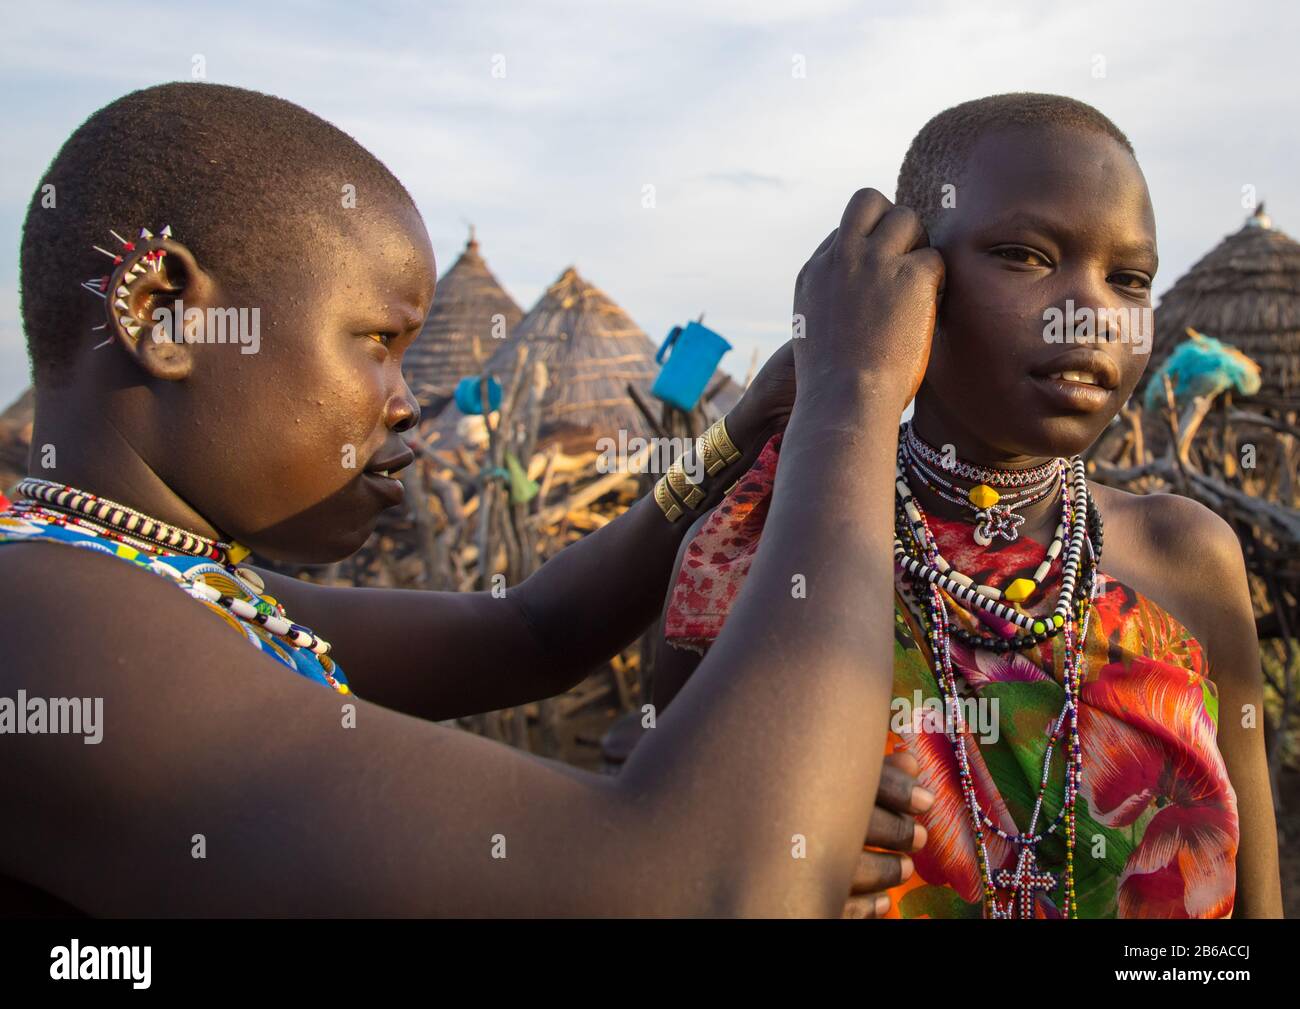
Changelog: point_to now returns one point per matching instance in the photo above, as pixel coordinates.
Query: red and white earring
(98, 286)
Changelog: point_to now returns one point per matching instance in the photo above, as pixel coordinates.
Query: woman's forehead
(383, 253)
(1068, 177)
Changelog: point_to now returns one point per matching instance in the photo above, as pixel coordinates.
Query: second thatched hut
(1246, 292)
(471, 313)
(592, 351)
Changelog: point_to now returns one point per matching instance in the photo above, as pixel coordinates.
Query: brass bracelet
(709, 455)
(665, 500)
(674, 491)
(689, 493)
(716, 448)
(722, 439)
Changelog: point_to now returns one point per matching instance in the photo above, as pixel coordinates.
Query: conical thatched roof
(592, 349)
(1245, 292)
(468, 303)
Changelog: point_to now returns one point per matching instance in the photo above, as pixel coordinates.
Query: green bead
(1039, 627)
(1058, 620)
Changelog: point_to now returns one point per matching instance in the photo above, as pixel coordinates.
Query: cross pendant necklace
(1024, 882)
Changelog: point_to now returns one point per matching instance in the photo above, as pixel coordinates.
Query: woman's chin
(318, 546)
(1070, 436)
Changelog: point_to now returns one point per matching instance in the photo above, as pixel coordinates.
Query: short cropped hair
(939, 152)
(238, 175)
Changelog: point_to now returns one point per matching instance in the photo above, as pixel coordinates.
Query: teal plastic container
(693, 355)
(469, 395)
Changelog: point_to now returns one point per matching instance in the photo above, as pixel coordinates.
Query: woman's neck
(105, 464)
(940, 430)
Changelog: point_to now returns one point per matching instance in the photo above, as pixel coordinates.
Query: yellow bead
(1019, 590)
(983, 496)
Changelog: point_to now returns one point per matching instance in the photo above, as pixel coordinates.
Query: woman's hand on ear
(865, 303)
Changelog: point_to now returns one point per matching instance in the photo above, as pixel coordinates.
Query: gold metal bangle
(666, 502)
(709, 454)
(722, 439)
(690, 494)
(716, 448)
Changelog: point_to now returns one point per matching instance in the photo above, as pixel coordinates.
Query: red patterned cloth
(1157, 814)
(718, 559)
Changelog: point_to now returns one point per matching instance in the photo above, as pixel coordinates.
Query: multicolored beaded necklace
(995, 513)
(1027, 879)
(61, 505)
(965, 590)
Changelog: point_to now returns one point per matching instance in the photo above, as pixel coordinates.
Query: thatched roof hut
(591, 349)
(1245, 292)
(468, 304)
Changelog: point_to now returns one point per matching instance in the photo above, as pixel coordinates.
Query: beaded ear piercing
(98, 286)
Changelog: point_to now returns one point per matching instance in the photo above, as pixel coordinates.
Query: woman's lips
(1074, 395)
(388, 488)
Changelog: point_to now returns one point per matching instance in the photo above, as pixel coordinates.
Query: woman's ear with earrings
(144, 296)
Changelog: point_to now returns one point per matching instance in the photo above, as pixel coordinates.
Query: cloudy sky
(543, 123)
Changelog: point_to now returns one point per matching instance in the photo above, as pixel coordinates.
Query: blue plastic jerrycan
(694, 352)
(469, 395)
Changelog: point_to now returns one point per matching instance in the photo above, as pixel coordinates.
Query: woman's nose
(403, 411)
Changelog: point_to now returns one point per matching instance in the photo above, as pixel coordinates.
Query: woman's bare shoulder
(58, 600)
(1179, 527)
(1194, 565)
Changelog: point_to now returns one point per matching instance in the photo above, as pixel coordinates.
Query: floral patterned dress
(1156, 818)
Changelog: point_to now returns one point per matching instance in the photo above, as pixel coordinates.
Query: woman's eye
(1133, 281)
(1019, 254)
(383, 338)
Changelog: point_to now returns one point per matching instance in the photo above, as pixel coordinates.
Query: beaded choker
(126, 525)
(918, 446)
(995, 512)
